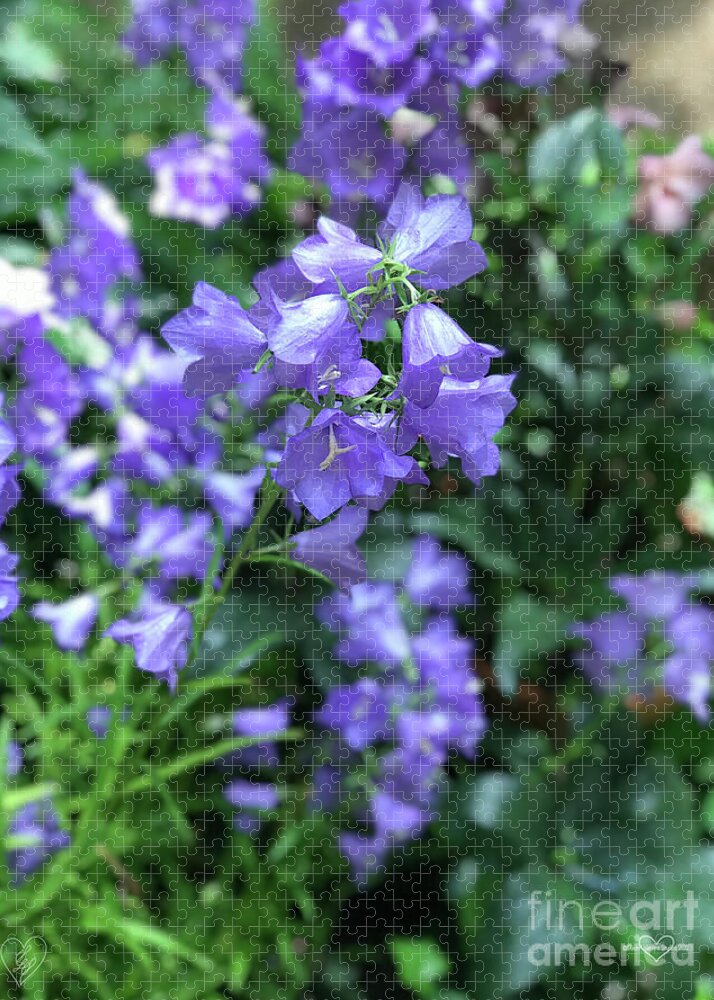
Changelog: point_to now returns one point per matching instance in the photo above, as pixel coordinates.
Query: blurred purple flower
(388, 34)
(98, 257)
(368, 623)
(351, 154)
(71, 621)
(160, 640)
(358, 713)
(437, 578)
(9, 587)
(211, 33)
(179, 544)
(232, 496)
(343, 76)
(255, 802)
(204, 182)
(37, 822)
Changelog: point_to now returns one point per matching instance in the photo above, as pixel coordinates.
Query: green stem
(210, 601)
(270, 493)
(278, 560)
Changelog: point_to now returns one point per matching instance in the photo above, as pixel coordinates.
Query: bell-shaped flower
(434, 347)
(331, 548)
(437, 578)
(461, 423)
(318, 348)
(160, 640)
(337, 459)
(217, 339)
(71, 621)
(359, 713)
(232, 496)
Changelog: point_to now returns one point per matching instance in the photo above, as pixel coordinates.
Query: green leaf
(420, 964)
(269, 78)
(27, 57)
(507, 929)
(17, 133)
(578, 166)
(528, 627)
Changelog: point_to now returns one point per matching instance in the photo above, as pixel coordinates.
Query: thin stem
(270, 493)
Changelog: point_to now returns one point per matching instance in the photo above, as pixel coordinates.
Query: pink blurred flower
(670, 186)
(626, 116)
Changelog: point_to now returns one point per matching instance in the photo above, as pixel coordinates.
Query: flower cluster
(381, 100)
(346, 339)
(663, 638)
(9, 498)
(210, 34)
(415, 701)
(148, 436)
(208, 180)
(34, 827)
(356, 424)
(204, 179)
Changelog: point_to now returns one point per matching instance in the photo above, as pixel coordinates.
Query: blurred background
(667, 44)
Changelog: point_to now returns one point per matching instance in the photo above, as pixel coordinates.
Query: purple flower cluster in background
(210, 34)
(9, 498)
(415, 701)
(381, 100)
(34, 826)
(663, 638)
(204, 179)
(208, 180)
(390, 731)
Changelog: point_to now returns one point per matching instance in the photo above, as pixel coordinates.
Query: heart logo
(22, 959)
(656, 950)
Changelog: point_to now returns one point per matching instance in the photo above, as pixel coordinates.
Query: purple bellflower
(663, 637)
(179, 544)
(98, 256)
(335, 460)
(352, 156)
(255, 802)
(461, 423)
(434, 347)
(388, 34)
(232, 496)
(267, 720)
(9, 587)
(432, 236)
(343, 76)
(358, 713)
(317, 349)
(437, 578)
(331, 548)
(160, 640)
(211, 33)
(368, 623)
(71, 621)
(194, 181)
(38, 823)
(217, 339)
